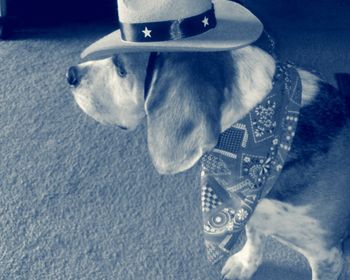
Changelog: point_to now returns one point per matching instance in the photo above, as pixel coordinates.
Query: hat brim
(236, 27)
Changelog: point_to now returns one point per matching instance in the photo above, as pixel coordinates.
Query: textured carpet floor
(79, 200)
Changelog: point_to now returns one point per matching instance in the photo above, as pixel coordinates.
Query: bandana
(246, 163)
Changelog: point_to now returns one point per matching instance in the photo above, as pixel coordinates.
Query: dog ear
(183, 108)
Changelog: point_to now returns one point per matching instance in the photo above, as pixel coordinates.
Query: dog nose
(72, 76)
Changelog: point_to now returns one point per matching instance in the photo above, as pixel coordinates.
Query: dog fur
(193, 97)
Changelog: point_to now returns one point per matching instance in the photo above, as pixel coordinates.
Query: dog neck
(254, 70)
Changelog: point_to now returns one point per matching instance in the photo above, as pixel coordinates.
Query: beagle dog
(191, 98)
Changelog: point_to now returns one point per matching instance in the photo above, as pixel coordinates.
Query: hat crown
(139, 11)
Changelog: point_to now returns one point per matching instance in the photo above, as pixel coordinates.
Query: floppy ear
(183, 108)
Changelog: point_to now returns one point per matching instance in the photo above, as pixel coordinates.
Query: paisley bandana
(246, 163)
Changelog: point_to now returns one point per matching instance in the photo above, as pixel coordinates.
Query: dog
(193, 97)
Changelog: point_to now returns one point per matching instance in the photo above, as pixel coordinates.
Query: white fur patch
(310, 86)
(294, 226)
(286, 221)
(254, 73)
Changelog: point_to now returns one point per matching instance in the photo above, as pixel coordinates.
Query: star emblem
(147, 32)
(205, 21)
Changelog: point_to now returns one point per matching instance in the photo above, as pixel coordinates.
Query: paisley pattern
(245, 164)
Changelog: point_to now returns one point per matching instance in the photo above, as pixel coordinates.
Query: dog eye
(121, 71)
(120, 67)
(122, 127)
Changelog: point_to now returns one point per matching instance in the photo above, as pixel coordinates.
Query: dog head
(182, 105)
(191, 98)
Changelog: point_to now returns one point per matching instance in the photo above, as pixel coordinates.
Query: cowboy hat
(181, 25)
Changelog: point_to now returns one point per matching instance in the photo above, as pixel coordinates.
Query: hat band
(168, 30)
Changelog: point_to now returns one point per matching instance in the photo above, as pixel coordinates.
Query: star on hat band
(205, 21)
(147, 32)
